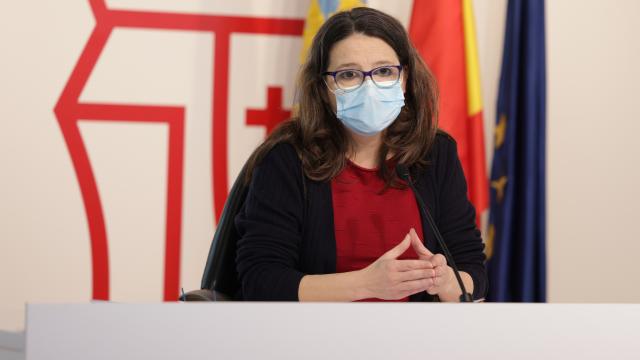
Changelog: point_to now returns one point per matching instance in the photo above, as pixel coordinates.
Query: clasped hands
(389, 278)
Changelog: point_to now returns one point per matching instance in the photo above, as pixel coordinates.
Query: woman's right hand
(388, 278)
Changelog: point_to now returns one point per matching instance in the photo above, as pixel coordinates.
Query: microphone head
(403, 172)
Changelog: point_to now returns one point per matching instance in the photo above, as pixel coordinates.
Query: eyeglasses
(351, 79)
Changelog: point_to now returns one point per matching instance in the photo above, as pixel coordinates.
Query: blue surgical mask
(369, 109)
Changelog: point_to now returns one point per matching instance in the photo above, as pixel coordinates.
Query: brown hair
(320, 139)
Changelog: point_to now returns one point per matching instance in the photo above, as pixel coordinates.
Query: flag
(443, 32)
(516, 237)
(319, 12)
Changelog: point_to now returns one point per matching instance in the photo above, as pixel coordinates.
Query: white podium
(332, 331)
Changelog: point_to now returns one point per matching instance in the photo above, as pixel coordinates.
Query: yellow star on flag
(499, 186)
(500, 131)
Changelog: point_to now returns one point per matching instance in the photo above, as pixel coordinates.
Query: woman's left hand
(444, 281)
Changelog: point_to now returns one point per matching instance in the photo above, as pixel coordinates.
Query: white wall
(44, 235)
(593, 149)
(44, 240)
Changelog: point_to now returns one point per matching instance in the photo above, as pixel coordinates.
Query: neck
(365, 150)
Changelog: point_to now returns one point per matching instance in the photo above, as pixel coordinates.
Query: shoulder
(443, 145)
(443, 152)
(282, 155)
(282, 152)
(279, 163)
(441, 161)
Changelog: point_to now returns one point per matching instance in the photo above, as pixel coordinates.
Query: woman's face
(361, 52)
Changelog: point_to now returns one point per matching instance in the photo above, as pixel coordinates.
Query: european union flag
(516, 237)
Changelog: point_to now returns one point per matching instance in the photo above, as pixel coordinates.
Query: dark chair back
(220, 278)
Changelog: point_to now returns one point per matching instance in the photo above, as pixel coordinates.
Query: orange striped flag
(443, 31)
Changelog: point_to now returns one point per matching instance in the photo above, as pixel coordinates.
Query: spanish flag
(443, 31)
(319, 12)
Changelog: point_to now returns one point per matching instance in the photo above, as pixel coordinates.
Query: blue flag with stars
(516, 248)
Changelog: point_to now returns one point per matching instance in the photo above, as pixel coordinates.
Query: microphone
(403, 173)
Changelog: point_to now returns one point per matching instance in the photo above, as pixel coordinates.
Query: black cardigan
(286, 223)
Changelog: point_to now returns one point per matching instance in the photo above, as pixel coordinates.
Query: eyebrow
(354, 65)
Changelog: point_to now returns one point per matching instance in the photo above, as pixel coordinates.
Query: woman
(326, 217)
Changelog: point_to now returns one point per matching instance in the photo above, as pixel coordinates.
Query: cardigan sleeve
(457, 218)
(270, 228)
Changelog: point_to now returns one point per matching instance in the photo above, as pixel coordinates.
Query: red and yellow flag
(443, 31)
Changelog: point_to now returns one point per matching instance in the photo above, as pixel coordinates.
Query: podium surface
(332, 331)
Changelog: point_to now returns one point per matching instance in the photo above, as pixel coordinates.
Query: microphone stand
(403, 173)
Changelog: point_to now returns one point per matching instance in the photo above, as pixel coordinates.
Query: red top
(367, 222)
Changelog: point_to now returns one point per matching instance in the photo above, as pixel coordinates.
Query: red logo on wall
(69, 110)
